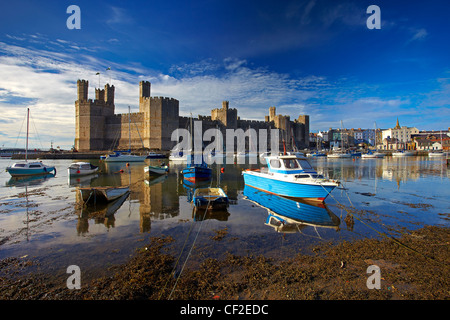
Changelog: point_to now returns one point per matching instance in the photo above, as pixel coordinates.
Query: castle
(97, 127)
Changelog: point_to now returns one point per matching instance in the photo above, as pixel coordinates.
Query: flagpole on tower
(98, 74)
(109, 68)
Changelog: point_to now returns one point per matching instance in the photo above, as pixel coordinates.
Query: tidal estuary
(42, 218)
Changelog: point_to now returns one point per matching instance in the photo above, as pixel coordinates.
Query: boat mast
(375, 123)
(191, 141)
(28, 125)
(129, 129)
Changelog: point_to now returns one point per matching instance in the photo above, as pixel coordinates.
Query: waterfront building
(389, 143)
(402, 134)
(432, 140)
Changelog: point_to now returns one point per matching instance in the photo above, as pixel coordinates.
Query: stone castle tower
(90, 116)
(228, 117)
(97, 127)
(160, 116)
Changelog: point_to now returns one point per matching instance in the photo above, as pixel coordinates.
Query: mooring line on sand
(181, 252)
(384, 234)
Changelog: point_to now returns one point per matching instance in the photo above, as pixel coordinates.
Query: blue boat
(286, 214)
(290, 176)
(24, 168)
(194, 171)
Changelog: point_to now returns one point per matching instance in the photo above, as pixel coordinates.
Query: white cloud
(419, 34)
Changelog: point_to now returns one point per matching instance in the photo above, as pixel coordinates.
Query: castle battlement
(163, 98)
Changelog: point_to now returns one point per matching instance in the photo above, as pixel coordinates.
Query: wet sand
(413, 266)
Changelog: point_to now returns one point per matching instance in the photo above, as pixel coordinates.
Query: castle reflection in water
(162, 197)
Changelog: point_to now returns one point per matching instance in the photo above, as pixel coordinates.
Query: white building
(402, 134)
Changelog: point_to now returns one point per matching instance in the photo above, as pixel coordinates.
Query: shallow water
(43, 219)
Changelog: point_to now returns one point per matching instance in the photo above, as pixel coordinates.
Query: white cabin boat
(290, 176)
(81, 169)
(436, 154)
(403, 153)
(156, 169)
(25, 168)
(339, 155)
(372, 155)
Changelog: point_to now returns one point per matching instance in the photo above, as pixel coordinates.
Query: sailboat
(196, 169)
(340, 153)
(316, 153)
(125, 156)
(25, 168)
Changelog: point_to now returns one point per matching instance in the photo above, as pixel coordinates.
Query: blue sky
(304, 57)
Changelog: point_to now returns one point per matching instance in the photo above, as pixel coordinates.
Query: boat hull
(316, 155)
(82, 169)
(102, 194)
(77, 173)
(339, 155)
(403, 154)
(155, 156)
(194, 174)
(270, 184)
(436, 154)
(156, 170)
(23, 172)
(125, 158)
(372, 155)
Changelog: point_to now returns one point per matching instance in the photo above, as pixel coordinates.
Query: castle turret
(272, 113)
(99, 95)
(109, 94)
(144, 90)
(82, 90)
(225, 105)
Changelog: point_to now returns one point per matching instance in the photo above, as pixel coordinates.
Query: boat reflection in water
(288, 214)
(152, 180)
(199, 214)
(29, 180)
(101, 212)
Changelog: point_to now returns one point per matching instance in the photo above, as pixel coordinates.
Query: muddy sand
(414, 266)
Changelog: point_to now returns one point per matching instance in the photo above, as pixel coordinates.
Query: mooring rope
(189, 253)
(384, 234)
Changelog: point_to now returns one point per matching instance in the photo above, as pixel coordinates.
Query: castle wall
(117, 131)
